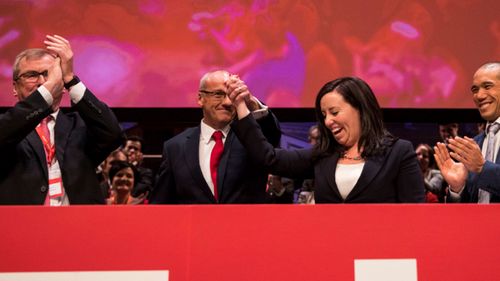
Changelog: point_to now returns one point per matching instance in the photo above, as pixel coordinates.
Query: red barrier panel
(253, 242)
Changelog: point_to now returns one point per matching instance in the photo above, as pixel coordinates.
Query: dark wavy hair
(374, 137)
(120, 165)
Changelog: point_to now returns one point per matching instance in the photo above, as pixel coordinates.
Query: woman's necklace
(355, 158)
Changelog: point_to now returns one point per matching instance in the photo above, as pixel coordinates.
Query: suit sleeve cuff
(46, 95)
(76, 93)
(455, 196)
(262, 112)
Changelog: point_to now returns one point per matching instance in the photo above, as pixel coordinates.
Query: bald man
(186, 175)
(475, 178)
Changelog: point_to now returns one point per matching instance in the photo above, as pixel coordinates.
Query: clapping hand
(455, 173)
(467, 151)
(61, 48)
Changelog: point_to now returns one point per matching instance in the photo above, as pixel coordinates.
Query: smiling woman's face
(123, 181)
(341, 119)
(423, 157)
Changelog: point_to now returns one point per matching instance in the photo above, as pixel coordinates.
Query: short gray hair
(27, 54)
(207, 76)
(492, 65)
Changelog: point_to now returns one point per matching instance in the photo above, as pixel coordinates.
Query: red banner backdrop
(146, 53)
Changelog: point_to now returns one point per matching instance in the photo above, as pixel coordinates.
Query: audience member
(300, 191)
(103, 175)
(313, 135)
(51, 156)
(448, 131)
(280, 189)
(123, 176)
(356, 159)
(474, 176)
(433, 180)
(208, 164)
(133, 148)
(305, 194)
(481, 127)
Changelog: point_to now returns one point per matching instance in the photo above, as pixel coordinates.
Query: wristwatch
(72, 82)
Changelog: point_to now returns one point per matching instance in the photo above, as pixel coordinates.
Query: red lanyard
(50, 150)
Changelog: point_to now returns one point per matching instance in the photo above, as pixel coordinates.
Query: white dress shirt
(76, 94)
(206, 145)
(346, 177)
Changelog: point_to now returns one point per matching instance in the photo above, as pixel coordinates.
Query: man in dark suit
(475, 177)
(185, 175)
(49, 157)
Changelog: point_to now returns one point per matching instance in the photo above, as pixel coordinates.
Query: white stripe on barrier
(121, 275)
(385, 270)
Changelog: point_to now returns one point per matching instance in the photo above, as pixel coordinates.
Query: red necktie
(215, 159)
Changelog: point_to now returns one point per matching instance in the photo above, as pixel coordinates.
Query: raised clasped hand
(54, 83)
(61, 48)
(240, 96)
(237, 90)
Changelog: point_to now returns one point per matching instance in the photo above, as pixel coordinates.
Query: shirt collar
(54, 114)
(489, 123)
(207, 132)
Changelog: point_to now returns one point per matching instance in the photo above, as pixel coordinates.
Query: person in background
(313, 135)
(280, 189)
(123, 176)
(299, 191)
(472, 168)
(103, 174)
(481, 127)
(356, 159)
(433, 180)
(207, 164)
(133, 148)
(448, 131)
(305, 194)
(51, 156)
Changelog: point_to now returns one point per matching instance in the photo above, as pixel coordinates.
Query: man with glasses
(49, 157)
(207, 164)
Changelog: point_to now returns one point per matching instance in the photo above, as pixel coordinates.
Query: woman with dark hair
(103, 174)
(355, 161)
(123, 176)
(433, 180)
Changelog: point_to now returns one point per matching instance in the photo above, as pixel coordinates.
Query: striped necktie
(483, 195)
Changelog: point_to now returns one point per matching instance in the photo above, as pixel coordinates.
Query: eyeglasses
(32, 76)
(216, 95)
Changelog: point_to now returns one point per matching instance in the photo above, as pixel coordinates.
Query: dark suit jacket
(488, 179)
(144, 183)
(392, 177)
(83, 139)
(180, 180)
